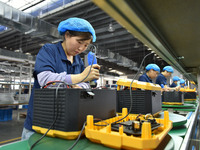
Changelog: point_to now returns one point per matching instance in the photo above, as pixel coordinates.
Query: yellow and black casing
(172, 98)
(146, 97)
(120, 140)
(189, 94)
(72, 106)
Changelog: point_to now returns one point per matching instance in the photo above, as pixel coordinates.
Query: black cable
(54, 119)
(78, 137)
(87, 90)
(88, 72)
(84, 77)
(119, 119)
(62, 82)
(131, 97)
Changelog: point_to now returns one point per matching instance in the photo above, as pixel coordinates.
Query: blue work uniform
(183, 85)
(145, 78)
(51, 57)
(161, 80)
(173, 85)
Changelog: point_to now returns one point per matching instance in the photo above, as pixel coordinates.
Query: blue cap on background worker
(152, 71)
(162, 77)
(175, 81)
(182, 83)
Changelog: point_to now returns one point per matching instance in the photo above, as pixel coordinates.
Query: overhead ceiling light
(41, 44)
(136, 45)
(149, 49)
(111, 28)
(30, 31)
(17, 51)
(181, 57)
(118, 72)
(28, 53)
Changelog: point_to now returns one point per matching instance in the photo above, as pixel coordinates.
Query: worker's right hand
(177, 88)
(166, 89)
(94, 73)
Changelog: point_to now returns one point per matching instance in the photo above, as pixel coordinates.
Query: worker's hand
(94, 73)
(76, 87)
(177, 88)
(166, 88)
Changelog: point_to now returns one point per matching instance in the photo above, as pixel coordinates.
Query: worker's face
(169, 74)
(153, 74)
(176, 82)
(75, 45)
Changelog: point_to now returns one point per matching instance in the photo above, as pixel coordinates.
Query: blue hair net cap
(76, 24)
(176, 78)
(168, 69)
(182, 81)
(152, 66)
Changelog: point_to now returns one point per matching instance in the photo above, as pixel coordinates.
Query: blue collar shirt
(145, 78)
(161, 80)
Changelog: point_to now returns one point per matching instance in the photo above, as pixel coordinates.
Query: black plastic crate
(172, 96)
(190, 95)
(144, 101)
(73, 107)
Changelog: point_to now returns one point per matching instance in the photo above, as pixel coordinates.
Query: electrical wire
(87, 90)
(78, 137)
(62, 82)
(56, 99)
(89, 70)
(131, 97)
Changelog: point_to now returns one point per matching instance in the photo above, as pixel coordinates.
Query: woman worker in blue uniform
(152, 71)
(162, 78)
(175, 81)
(61, 62)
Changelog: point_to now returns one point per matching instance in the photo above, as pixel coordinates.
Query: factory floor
(10, 131)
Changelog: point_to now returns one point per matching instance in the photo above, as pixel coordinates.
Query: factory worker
(162, 78)
(61, 61)
(182, 83)
(152, 71)
(175, 81)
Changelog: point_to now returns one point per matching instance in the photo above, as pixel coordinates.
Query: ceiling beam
(126, 13)
(25, 23)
